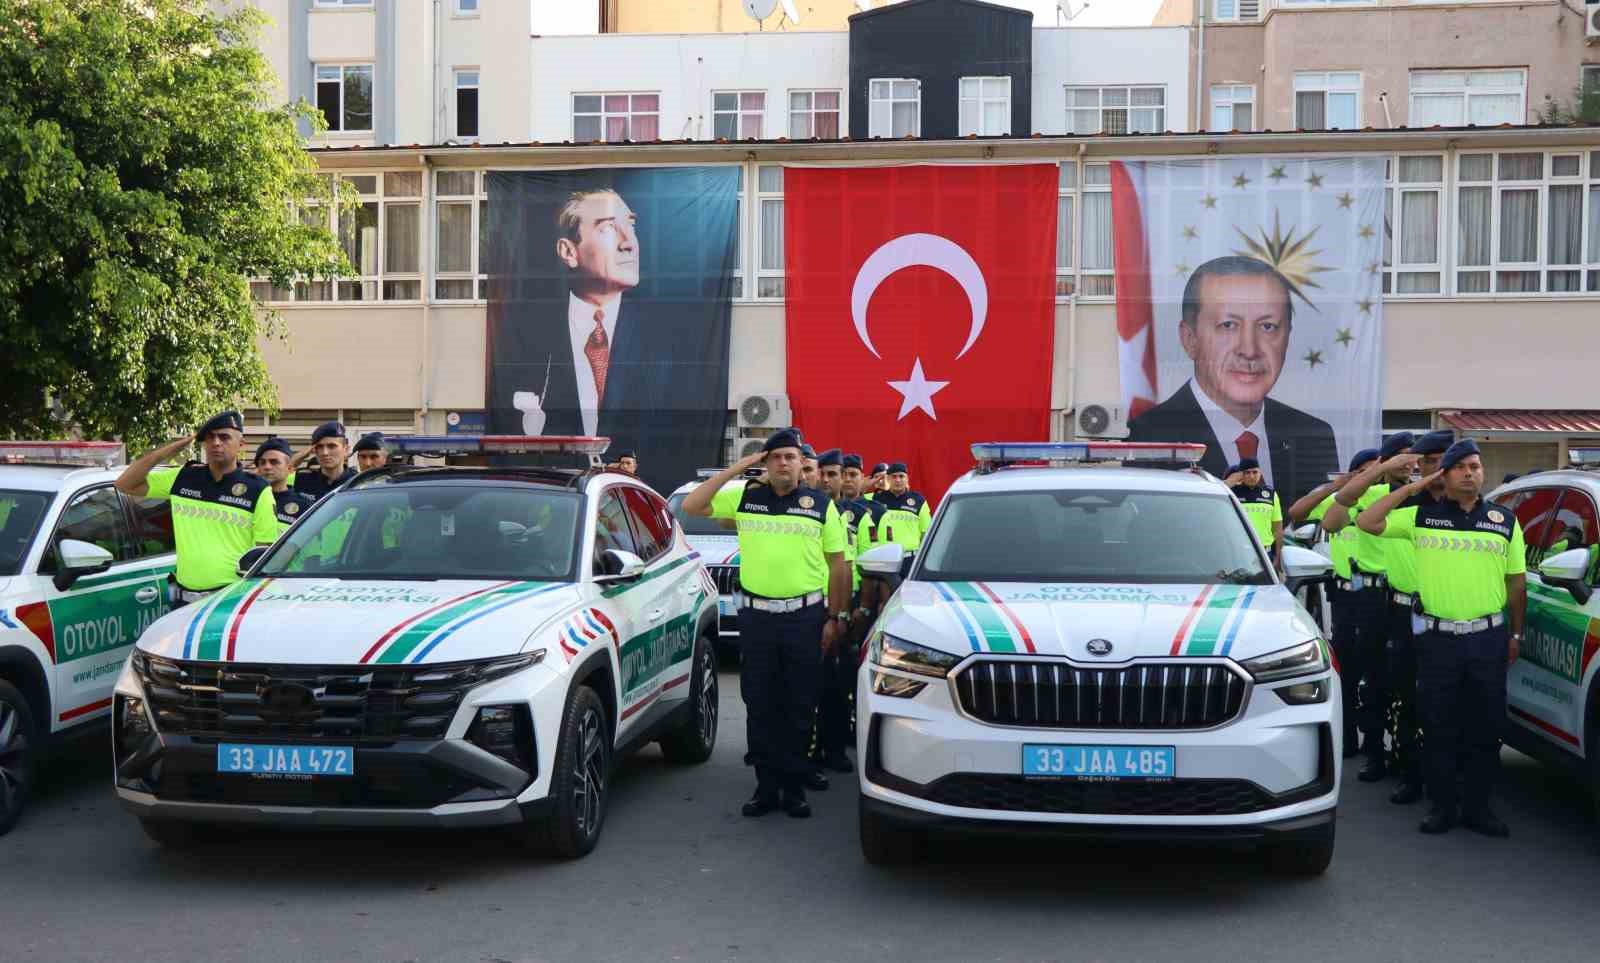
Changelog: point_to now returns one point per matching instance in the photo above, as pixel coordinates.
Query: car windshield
(20, 512)
(694, 524)
(433, 532)
(1092, 536)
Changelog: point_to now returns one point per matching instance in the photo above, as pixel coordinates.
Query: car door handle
(146, 595)
(658, 613)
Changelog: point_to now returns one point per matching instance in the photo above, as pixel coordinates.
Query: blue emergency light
(440, 446)
(1000, 454)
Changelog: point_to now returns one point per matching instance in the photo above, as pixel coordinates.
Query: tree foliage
(1581, 107)
(144, 175)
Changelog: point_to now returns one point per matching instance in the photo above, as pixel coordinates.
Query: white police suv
(718, 548)
(430, 646)
(1553, 689)
(1092, 647)
(83, 570)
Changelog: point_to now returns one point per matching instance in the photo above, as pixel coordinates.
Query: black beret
(1456, 452)
(1434, 442)
(880, 468)
(832, 456)
(627, 454)
(782, 438)
(274, 444)
(328, 429)
(1362, 457)
(806, 451)
(897, 468)
(371, 441)
(228, 419)
(1396, 443)
(1230, 470)
(1246, 464)
(851, 461)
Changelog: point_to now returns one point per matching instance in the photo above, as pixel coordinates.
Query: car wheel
(580, 785)
(1304, 856)
(691, 741)
(19, 751)
(175, 834)
(882, 843)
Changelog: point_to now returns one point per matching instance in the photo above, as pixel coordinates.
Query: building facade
(1492, 278)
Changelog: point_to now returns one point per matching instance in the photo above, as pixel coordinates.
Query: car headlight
(1304, 693)
(896, 653)
(1307, 658)
(468, 674)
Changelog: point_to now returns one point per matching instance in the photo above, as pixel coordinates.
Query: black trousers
(1401, 666)
(778, 677)
(1346, 626)
(838, 688)
(1372, 644)
(1461, 690)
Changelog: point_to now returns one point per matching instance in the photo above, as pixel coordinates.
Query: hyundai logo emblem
(1098, 647)
(287, 701)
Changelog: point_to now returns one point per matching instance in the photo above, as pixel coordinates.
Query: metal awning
(1500, 422)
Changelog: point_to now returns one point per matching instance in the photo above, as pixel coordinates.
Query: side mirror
(882, 560)
(248, 560)
(1305, 534)
(78, 559)
(618, 566)
(1566, 570)
(1300, 564)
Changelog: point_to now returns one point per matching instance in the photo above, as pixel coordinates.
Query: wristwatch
(842, 617)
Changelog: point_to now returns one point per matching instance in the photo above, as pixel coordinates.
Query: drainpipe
(1072, 301)
(427, 290)
(1199, 70)
(433, 93)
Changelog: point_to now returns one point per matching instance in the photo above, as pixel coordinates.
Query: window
(739, 255)
(467, 8)
(1456, 98)
(1527, 222)
(769, 210)
(20, 512)
(814, 113)
(1066, 207)
(1413, 253)
(895, 108)
(1590, 82)
(1327, 101)
(1116, 110)
(467, 103)
(460, 205)
(611, 531)
(985, 107)
(96, 517)
(1233, 107)
(152, 527)
(652, 530)
(1325, 3)
(1536, 512)
(344, 95)
(614, 118)
(694, 524)
(736, 115)
(1240, 11)
(1096, 278)
(344, 3)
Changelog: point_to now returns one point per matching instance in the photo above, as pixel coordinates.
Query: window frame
(1230, 102)
(891, 101)
(1237, 15)
(1104, 285)
(1327, 88)
(640, 515)
(1466, 92)
(812, 111)
(1586, 181)
(774, 277)
(609, 492)
(457, 10)
(478, 201)
(1067, 225)
(1394, 215)
(135, 509)
(455, 104)
(385, 201)
(604, 114)
(342, 5)
(50, 557)
(980, 101)
(739, 114)
(342, 66)
(1128, 107)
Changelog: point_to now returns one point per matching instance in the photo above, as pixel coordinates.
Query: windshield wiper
(1238, 576)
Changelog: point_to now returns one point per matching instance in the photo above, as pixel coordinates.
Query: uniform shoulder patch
(1495, 515)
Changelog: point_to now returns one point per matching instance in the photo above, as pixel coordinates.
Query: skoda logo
(288, 702)
(1098, 647)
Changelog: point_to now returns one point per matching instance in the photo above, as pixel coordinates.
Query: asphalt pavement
(680, 875)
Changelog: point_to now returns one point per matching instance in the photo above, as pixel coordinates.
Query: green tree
(1582, 107)
(144, 175)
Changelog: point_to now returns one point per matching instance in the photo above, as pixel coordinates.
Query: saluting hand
(750, 461)
(1421, 484)
(1404, 460)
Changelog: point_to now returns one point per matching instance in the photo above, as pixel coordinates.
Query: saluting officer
(332, 449)
(1344, 600)
(272, 464)
(878, 482)
(1470, 565)
(1261, 506)
(219, 511)
(791, 555)
(370, 452)
(1370, 578)
(906, 516)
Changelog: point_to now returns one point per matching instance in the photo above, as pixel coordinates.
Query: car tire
(882, 843)
(175, 834)
(580, 783)
(692, 740)
(1304, 856)
(19, 755)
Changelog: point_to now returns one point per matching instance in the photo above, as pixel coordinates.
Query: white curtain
(1519, 226)
(1097, 250)
(455, 236)
(772, 234)
(1419, 223)
(1475, 215)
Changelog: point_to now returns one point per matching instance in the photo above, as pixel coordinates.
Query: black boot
(794, 803)
(1408, 792)
(838, 762)
(816, 782)
(763, 802)
(1485, 823)
(1439, 820)
(1373, 770)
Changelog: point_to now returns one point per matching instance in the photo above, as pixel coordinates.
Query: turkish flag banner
(920, 310)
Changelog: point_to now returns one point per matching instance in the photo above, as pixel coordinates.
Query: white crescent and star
(919, 250)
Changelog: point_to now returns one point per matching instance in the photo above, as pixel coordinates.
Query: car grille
(343, 704)
(726, 577)
(1056, 695)
(1176, 797)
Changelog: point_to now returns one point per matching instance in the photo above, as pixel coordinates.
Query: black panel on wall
(938, 42)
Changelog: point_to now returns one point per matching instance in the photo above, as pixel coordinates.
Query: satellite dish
(790, 11)
(759, 9)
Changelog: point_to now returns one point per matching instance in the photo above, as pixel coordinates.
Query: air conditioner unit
(1100, 420)
(748, 445)
(764, 411)
(1591, 22)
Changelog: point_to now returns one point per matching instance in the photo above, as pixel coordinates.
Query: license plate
(286, 760)
(1100, 762)
(727, 607)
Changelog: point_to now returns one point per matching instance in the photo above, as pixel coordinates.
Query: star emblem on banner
(1374, 268)
(1277, 173)
(1314, 181)
(1364, 305)
(1240, 181)
(1345, 201)
(917, 392)
(1344, 337)
(1182, 270)
(1366, 231)
(1210, 201)
(1313, 358)
(1189, 233)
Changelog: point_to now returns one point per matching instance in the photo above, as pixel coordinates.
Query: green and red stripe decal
(989, 623)
(1213, 620)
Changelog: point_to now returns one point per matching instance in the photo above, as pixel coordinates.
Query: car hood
(1139, 621)
(715, 549)
(325, 621)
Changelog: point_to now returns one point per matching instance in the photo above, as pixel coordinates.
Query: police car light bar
(438, 446)
(704, 473)
(999, 454)
(77, 454)
(1584, 457)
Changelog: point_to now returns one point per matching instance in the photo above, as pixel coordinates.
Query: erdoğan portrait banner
(920, 310)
